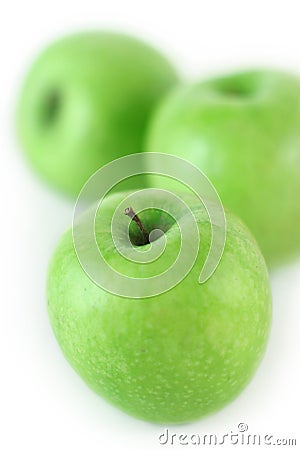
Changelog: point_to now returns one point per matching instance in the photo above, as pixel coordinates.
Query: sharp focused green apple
(243, 132)
(86, 101)
(176, 356)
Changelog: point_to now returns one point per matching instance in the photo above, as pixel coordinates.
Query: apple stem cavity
(52, 107)
(133, 216)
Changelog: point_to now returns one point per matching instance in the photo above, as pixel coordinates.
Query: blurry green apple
(176, 356)
(86, 101)
(243, 132)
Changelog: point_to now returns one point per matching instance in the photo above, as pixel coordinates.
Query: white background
(44, 404)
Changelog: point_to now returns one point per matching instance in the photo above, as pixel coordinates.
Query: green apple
(243, 132)
(176, 356)
(86, 101)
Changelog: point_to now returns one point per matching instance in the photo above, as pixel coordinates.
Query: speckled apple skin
(175, 357)
(243, 131)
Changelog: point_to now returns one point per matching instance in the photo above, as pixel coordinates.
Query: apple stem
(133, 216)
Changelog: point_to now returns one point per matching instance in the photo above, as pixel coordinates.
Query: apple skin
(243, 132)
(86, 101)
(171, 358)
